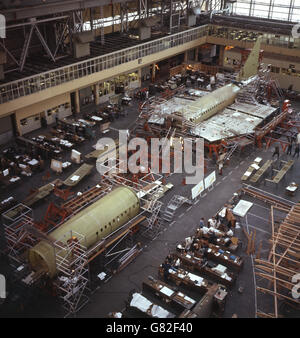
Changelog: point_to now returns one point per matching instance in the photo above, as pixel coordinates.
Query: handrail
(18, 88)
(38, 82)
(101, 56)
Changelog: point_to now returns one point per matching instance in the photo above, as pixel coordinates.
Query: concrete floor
(111, 296)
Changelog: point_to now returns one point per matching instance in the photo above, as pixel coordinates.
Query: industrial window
(23, 122)
(275, 9)
(275, 69)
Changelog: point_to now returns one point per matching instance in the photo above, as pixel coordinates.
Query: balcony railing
(58, 76)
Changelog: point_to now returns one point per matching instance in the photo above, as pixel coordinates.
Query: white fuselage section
(212, 103)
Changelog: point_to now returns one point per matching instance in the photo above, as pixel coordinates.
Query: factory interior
(90, 91)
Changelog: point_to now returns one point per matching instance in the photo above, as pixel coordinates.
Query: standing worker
(220, 162)
(220, 166)
(297, 149)
(289, 149)
(276, 152)
(56, 117)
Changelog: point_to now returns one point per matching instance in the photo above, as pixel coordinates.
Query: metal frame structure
(16, 222)
(148, 197)
(42, 81)
(58, 76)
(287, 10)
(283, 263)
(73, 273)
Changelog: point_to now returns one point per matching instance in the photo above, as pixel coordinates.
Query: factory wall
(6, 129)
(29, 118)
(33, 107)
(66, 88)
(249, 45)
(287, 72)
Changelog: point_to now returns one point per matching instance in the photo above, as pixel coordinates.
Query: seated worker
(166, 267)
(193, 247)
(169, 259)
(212, 238)
(212, 222)
(229, 233)
(227, 241)
(204, 252)
(198, 232)
(177, 263)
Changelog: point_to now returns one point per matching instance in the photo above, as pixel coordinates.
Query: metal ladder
(231, 151)
(154, 221)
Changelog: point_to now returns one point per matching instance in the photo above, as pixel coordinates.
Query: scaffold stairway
(176, 202)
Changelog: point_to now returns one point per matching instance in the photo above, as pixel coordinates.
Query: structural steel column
(186, 56)
(96, 93)
(221, 55)
(77, 102)
(196, 54)
(140, 76)
(153, 72)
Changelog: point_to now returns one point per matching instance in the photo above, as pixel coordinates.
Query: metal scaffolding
(18, 229)
(73, 273)
(280, 271)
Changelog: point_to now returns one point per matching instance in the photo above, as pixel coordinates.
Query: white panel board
(210, 179)
(197, 189)
(242, 208)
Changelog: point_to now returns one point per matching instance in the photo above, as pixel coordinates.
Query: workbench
(141, 303)
(226, 258)
(261, 171)
(78, 175)
(282, 172)
(252, 168)
(212, 271)
(185, 278)
(164, 291)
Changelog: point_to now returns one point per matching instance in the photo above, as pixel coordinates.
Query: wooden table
(281, 173)
(261, 171)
